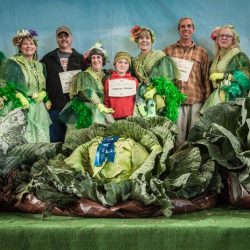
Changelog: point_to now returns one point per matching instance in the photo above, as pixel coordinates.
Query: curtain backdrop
(109, 21)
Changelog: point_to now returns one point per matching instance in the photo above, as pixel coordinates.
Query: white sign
(66, 79)
(184, 67)
(122, 87)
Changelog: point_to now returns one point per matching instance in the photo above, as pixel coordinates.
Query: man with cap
(120, 88)
(61, 65)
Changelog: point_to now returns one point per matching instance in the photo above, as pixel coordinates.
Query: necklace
(33, 70)
(33, 73)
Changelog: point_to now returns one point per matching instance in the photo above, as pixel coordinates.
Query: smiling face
(96, 62)
(64, 41)
(28, 48)
(145, 41)
(186, 30)
(225, 38)
(122, 66)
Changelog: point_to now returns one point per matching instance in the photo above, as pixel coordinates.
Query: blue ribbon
(106, 149)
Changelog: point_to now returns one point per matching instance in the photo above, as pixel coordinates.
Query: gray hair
(185, 18)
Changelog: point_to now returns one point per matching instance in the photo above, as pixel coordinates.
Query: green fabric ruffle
(172, 95)
(9, 92)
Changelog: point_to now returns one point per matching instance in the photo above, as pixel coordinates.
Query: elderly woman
(230, 70)
(25, 86)
(87, 93)
(156, 73)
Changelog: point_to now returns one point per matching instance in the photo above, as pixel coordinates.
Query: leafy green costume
(236, 83)
(26, 77)
(156, 70)
(87, 92)
(2, 57)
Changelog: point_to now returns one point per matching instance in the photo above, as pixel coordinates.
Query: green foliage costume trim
(83, 113)
(11, 72)
(8, 92)
(173, 97)
(2, 57)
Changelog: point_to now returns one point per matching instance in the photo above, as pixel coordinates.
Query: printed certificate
(184, 67)
(66, 79)
(122, 87)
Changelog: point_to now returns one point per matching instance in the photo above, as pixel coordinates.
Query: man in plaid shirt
(196, 85)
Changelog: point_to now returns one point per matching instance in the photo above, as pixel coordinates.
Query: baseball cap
(63, 29)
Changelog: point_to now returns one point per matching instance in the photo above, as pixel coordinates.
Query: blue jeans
(57, 129)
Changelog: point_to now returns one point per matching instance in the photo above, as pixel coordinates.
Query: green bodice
(143, 64)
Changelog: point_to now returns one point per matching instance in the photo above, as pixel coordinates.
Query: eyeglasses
(63, 35)
(225, 36)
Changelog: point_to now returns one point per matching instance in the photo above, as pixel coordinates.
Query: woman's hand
(24, 101)
(216, 76)
(38, 97)
(150, 94)
(2, 99)
(104, 109)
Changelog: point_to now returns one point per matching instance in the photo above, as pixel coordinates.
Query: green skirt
(38, 123)
(212, 100)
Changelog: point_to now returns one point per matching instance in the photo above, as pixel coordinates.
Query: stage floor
(217, 228)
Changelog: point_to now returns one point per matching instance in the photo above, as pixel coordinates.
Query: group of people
(67, 90)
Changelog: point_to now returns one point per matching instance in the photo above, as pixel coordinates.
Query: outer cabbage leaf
(190, 174)
(62, 185)
(28, 154)
(226, 115)
(166, 131)
(81, 136)
(224, 129)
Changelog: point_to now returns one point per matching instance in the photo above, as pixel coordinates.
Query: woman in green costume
(87, 94)
(2, 57)
(156, 73)
(230, 70)
(24, 86)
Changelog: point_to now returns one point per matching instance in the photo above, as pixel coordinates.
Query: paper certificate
(66, 79)
(184, 67)
(122, 87)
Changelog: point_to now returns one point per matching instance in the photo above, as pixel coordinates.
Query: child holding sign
(120, 88)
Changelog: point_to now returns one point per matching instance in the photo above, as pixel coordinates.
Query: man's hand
(48, 105)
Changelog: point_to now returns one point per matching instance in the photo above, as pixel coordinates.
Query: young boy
(120, 88)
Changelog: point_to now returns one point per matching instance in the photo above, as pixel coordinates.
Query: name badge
(122, 87)
(184, 67)
(66, 79)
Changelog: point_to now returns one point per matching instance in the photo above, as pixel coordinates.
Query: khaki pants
(188, 115)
